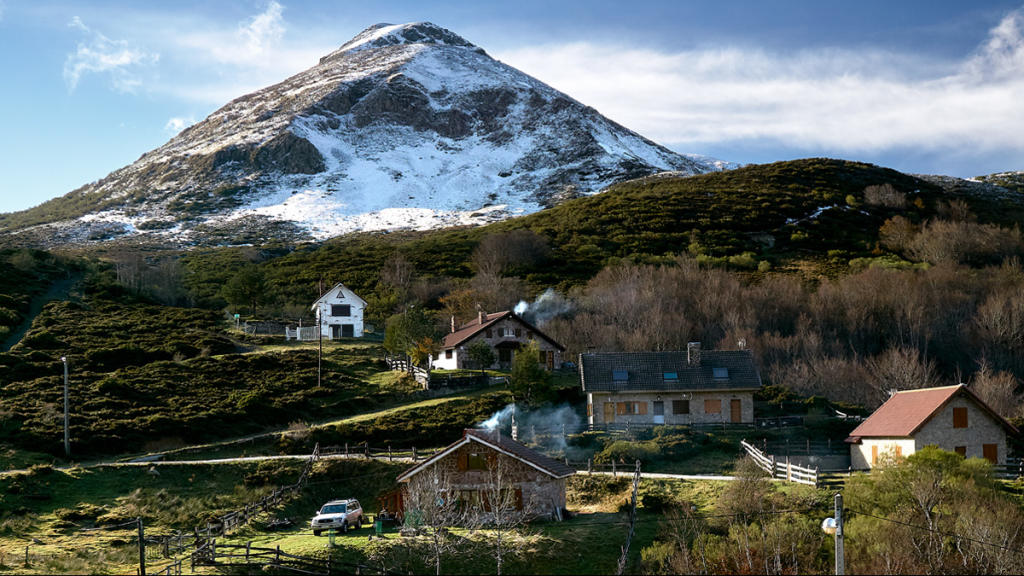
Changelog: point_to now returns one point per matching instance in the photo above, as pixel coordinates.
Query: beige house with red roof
(505, 332)
(950, 417)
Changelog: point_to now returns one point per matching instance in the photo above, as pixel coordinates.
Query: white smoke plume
(545, 427)
(547, 306)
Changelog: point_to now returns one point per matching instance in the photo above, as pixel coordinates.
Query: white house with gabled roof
(339, 313)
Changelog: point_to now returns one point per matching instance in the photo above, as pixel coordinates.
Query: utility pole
(67, 437)
(142, 548)
(320, 333)
(840, 560)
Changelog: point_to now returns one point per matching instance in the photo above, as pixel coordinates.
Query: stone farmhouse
(339, 313)
(950, 417)
(505, 332)
(651, 388)
(472, 463)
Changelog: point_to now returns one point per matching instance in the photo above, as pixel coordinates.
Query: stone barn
(471, 467)
(950, 417)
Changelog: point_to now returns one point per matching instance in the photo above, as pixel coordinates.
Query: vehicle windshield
(333, 509)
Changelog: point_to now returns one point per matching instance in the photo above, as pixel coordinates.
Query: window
(712, 406)
(990, 452)
(341, 310)
(476, 461)
(960, 417)
(508, 332)
(961, 450)
(720, 373)
(448, 354)
(631, 408)
(680, 406)
(670, 376)
(620, 376)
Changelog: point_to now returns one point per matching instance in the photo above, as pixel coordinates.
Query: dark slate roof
(494, 439)
(556, 468)
(476, 326)
(646, 371)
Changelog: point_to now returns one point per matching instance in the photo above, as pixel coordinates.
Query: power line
(940, 532)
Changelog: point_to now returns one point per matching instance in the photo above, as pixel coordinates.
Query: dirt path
(59, 290)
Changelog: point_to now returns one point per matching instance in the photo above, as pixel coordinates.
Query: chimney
(453, 323)
(515, 427)
(693, 353)
(480, 316)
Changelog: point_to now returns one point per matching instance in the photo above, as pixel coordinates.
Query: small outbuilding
(952, 418)
(471, 467)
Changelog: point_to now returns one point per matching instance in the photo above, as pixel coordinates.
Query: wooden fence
(302, 333)
(389, 453)
(404, 364)
(782, 470)
(271, 560)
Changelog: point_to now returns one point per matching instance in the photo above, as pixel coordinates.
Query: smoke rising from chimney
(547, 306)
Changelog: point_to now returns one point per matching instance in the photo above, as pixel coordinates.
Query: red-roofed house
(505, 332)
(950, 417)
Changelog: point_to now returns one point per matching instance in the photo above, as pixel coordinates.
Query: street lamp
(834, 527)
(67, 439)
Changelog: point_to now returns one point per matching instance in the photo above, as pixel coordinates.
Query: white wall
(340, 295)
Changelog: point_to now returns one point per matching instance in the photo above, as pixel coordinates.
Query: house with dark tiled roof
(473, 464)
(650, 388)
(952, 418)
(505, 332)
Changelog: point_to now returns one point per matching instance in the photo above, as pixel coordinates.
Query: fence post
(613, 468)
(389, 452)
(413, 453)
(366, 449)
(346, 449)
(247, 546)
(589, 466)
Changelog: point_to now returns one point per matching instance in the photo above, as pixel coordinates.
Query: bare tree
(504, 510)
(497, 253)
(398, 273)
(900, 369)
(432, 506)
(998, 390)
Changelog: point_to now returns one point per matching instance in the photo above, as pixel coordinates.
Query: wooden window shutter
(519, 498)
(621, 408)
(960, 417)
(874, 454)
(463, 461)
(990, 452)
(642, 408)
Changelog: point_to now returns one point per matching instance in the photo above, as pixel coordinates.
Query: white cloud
(843, 100)
(101, 55)
(264, 29)
(177, 124)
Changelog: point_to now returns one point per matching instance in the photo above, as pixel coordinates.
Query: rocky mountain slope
(403, 127)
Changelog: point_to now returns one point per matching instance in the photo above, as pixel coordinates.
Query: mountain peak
(383, 35)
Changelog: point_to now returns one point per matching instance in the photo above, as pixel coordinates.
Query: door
(990, 452)
(609, 412)
(335, 331)
(551, 360)
(348, 330)
(659, 412)
(735, 410)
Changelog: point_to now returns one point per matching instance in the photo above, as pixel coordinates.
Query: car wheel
(316, 532)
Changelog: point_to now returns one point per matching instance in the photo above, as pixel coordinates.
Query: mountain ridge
(404, 126)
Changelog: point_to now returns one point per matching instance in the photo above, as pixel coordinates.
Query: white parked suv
(339, 515)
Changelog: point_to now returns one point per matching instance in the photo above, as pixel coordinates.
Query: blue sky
(921, 86)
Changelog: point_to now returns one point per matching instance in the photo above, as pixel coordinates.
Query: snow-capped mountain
(404, 126)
